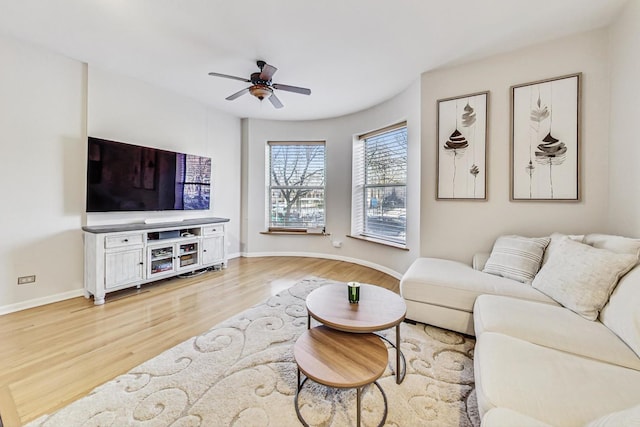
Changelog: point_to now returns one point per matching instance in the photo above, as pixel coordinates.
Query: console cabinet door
(213, 250)
(188, 255)
(161, 260)
(124, 267)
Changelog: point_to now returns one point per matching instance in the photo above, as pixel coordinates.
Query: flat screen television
(126, 177)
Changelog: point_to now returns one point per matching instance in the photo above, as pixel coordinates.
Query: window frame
(269, 187)
(183, 169)
(361, 186)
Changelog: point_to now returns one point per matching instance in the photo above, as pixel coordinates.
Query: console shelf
(122, 256)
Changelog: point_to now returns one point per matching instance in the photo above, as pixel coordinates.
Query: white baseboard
(36, 302)
(375, 266)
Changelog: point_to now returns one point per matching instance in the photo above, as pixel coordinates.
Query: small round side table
(342, 360)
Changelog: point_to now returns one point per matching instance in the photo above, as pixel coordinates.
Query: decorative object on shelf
(354, 292)
(462, 147)
(545, 139)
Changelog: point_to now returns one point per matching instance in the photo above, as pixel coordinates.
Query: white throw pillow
(625, 418)
(581, 277)
(516, 257)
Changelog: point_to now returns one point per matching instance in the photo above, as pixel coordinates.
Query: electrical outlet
(23, 280)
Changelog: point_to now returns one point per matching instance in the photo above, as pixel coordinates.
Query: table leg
(358, 397)
(295, 399)
(400, 359)
(398, 380)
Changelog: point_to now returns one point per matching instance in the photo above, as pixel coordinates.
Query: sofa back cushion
(617, 244)
(622, 313)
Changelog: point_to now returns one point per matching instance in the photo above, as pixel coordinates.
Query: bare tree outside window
(385, 180)
(195, 173)
(297, 180)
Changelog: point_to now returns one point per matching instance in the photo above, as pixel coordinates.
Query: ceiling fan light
(260, 91)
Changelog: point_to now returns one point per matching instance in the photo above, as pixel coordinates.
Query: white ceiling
(353, 54)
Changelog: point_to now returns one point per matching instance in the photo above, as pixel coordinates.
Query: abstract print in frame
(462, 147)
(545, 139)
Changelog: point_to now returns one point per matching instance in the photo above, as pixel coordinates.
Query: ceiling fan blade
(275, 101)
(267, 72)
(237, 94)
(296, 89)
(226, 76)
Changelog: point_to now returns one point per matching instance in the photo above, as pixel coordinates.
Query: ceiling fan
(261, 85)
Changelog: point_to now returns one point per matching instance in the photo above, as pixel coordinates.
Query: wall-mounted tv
(126, 177)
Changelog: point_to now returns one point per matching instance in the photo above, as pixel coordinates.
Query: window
(193, 181)
(380, 185)
(296, 185)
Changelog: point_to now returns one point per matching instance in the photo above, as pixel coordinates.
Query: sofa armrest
(480, 259)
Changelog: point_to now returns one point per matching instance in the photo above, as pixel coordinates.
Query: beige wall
(457, 229)
(624, 140)
(338, 134)
(42, 121)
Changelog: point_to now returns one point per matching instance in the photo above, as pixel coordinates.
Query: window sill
(380, 242)
(294, 233)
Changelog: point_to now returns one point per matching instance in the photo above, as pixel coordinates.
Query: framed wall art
(545, 139)
(462, 147)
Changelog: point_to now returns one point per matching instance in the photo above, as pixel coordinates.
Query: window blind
(296, 185)
(379, 184)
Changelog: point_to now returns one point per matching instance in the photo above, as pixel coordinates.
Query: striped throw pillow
(516, 257)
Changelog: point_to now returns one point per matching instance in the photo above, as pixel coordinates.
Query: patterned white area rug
(242, 373)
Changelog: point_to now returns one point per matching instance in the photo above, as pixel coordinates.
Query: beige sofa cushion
(629, 417)
(516, 257)
(617, 244)
(456, 285)
(581, 277)
(480, 260)
(622, 312)
(553, 386)
(504, 417)
(551, 326)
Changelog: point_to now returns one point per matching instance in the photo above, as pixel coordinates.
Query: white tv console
(122, 256)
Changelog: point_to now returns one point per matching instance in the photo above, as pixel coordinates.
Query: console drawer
(210, 230)
(123, 240)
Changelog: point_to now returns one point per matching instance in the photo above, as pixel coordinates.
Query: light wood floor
(55, 354)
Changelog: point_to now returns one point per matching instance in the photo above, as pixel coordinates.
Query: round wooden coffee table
(342, 360)
(378, 309)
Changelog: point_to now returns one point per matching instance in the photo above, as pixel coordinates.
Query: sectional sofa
(557, 330)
